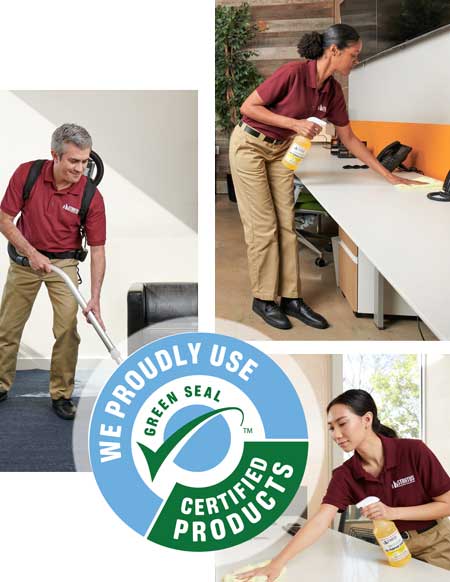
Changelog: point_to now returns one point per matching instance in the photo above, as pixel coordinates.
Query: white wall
(318, 370)
(410, 84)
(311, 377)
(145, 241)
(144, 135)
(437, 407)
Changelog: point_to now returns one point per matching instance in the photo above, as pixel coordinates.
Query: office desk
(335, 556)
(405, 235)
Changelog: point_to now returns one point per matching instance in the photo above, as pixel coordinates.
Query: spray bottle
(299, 147)
(388, 537)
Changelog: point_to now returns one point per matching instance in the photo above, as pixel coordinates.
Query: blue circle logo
(198, 441)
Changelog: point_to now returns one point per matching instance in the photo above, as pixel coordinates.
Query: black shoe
(271, 313)
(65, 408)
(298, 308)
(3, 394)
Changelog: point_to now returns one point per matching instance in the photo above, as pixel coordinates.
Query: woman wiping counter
(404, 474)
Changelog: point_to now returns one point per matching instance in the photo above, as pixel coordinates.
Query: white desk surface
(404, 234)
(335, 556)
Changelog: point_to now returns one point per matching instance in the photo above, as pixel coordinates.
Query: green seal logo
(198, 442)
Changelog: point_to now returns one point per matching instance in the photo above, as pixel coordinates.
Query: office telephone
(444, 195)
(393, 155)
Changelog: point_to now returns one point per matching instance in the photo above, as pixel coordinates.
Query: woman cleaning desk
(275, 112)
(404, 474)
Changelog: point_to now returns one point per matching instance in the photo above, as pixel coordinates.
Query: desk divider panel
(430, 143)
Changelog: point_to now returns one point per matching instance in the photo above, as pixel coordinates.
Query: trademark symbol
(248, 430)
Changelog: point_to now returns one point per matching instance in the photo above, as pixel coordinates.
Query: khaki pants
(432, 546)
(21, 288)
(265, 196)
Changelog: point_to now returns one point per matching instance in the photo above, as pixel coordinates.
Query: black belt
(405, 534)
(66, 255)
(255, 133)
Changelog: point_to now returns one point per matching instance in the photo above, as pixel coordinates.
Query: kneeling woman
(420, 509)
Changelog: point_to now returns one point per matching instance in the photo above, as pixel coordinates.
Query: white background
(57, 527)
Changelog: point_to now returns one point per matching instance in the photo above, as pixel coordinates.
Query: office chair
(307, 208)
(351, 524)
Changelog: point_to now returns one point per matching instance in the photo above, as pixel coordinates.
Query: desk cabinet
(356, 281)
(348, 269)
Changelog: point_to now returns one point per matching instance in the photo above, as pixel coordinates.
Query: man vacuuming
(49, 197)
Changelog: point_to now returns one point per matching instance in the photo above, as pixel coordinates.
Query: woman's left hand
(393, 179)
(378, 511)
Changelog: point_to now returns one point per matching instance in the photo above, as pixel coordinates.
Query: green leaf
(236, 75)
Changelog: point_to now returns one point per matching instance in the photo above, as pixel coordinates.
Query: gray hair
(70, 133)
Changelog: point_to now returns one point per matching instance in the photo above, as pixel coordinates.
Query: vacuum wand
(24, 262)
(115, 354)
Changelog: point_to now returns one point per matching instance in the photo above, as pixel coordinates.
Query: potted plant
(236, 75)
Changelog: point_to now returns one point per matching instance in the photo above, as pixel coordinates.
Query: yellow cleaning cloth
(428, 185)
(232, 577)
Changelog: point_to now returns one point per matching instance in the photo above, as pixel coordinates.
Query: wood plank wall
(281, 23)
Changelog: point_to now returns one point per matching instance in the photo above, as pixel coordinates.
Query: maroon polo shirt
(49, 219)
(292, 91)
(411, 476)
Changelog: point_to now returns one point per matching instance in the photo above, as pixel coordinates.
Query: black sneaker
(65, 408)
(3, 394)
(271, 313)
(297, 308)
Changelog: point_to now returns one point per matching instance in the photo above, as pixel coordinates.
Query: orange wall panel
(430, 143)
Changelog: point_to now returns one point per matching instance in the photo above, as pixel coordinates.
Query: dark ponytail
(312, 45)
(361, 402)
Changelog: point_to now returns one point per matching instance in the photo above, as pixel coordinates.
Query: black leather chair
(157, 310)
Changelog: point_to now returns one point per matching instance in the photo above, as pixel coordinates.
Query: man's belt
(79, 255)
(65, 255)
(260, 135)
(405, 534)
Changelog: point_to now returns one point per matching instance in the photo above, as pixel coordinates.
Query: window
(395, 383)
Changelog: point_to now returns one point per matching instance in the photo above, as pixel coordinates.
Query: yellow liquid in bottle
(296, 152)
(391, 542)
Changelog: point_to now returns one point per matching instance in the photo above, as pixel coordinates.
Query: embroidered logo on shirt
(71, 209)
(322, 108)
(404, 481)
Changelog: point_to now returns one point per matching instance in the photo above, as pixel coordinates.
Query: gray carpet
(32, 437)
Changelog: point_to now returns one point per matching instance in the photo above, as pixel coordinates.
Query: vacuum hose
(100, 169)
(24, 262)
(90, 316)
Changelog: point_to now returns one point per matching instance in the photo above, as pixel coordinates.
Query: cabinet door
(348, 269)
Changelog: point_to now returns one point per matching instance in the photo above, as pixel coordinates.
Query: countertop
(404, 234)
(335, 556)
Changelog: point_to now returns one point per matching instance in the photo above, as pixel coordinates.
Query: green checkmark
(156, 458)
